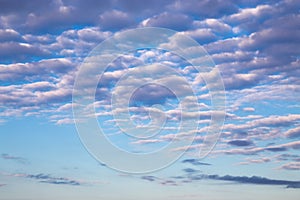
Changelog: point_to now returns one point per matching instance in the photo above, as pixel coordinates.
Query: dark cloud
(178, 22)
(169, 183)
(1, 185)
(149, 178)
(242, 179)
(115, 20)
(287, 156)
(294, 166)
(16, 158)
(52, 16)
(196, 162)
(255, 150)
(151, 94)
(46, 178)
(252, 180)
(15, 6)
(240, 143)
(190, 170)
(61, 182)
(203, 36)
(143, 7)
(276, 149)
(294, 186)
(196, 175)
(241, 81)
(13, 52)
(8, 35)
(34, 71)
(206, 8)
(293, 133)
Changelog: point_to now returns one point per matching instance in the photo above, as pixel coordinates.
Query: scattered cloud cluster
(255, 45)
(15, 158)
(192, 175)
(47, 178)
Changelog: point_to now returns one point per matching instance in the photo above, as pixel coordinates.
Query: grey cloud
(203, 36)
(253, 180)
(30, 71)
(143, 7)
(205, 8)
(78, 42)
(45, 178)
(18, 52)
(196, 162)
(61, 182)
(255, 150)
(295, 186)
(241, 81)
(15, 6)
(7, 35)
(276, 149)
(293, 133)
(149, 178)
(16, 158)
(291, 166)
(115, 20)
(240, 143)
(177, 22)
(270, 121)
(287, 157)
(217, 26)
(166, 182)
(190, 170)
(32, 16)
(255, 161)
(195, 175)
(151, 94)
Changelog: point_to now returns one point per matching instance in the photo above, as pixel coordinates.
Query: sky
(152, 99)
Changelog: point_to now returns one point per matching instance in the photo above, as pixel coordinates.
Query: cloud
(192, 175)
(257, 180)
(151, 94)
(44, 178)
(215, 25)
(288, 157)
(115, 20)
(244, 14)
(255, 150)
(291, 166)
(293, 133)
(173, 21)
(241, 81)
(201, 35)
(47, 178)
(205, 8)
(16, 158)
(52, 16)
(240, 143)
(190, 170)
(34, 70)
(255, 161)
(8, 35)
(149, 178)
(249, 109)
(1, 185)
(273, 121)
(252, 180)
(195, 162)
(18, 52)
(143, 8)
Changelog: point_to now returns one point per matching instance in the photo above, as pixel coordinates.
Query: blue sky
(255, 50)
